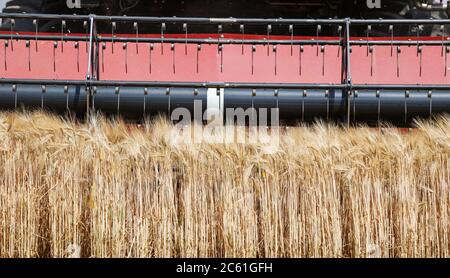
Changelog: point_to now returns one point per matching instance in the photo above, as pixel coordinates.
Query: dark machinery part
(324, 66)
(389, 9)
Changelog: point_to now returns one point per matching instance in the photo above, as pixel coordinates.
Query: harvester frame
(340, 99)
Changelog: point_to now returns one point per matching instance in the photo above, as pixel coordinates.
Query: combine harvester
(345, 61)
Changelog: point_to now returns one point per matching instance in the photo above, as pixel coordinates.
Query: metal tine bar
(63, 26)
(136, 29)
(219, 33)
(13, 23)
(418, 31)
(291, 31)
(242, 29)
(340, 39)
(163, 29)
(86, 28)
(269, 30)
(185, 29)
(113, 35)
(442, 29)
(35, 24)
(391, 29)
(28, 46)
(447, 51)
(5, 54)
(318, 30)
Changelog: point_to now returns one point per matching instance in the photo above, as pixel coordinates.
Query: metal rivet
(275, 93)
(305, 93)
(66, 89)
(124, 45)
(76, 45)
(378, 94)
(44, 88)
(117, 90)
(145, 91)
(195, 92)
(430, 94)
(14, 88)
(254, 92)
(168, 91)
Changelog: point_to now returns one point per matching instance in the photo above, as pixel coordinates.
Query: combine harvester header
(235, 63)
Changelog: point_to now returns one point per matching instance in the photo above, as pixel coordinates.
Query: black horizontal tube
(223, 84)
(44, 16)
(400, 42)
(400, 86)
(170, 84)
(195, 20)
(218, 41)
(202, 20)
(15, 36)
(399, 21)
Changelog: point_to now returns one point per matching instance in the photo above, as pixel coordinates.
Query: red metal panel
(399, 65)
(43, 61)
(185, 63)
(233, 63)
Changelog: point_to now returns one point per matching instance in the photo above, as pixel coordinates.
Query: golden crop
(119, 190)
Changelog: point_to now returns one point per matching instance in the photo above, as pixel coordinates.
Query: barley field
(108, 189)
